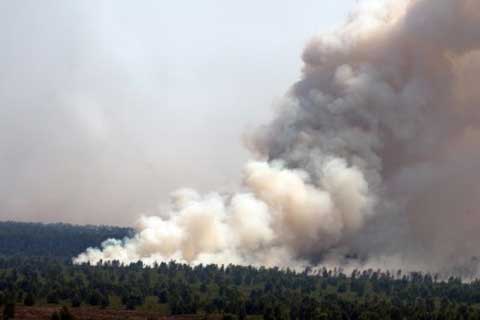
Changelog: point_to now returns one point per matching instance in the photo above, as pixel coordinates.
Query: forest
(53, 240)
(34, 278)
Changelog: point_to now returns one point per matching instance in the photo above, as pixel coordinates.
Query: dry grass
(92, 313)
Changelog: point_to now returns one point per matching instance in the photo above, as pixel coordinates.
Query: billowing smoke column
(284, 216)
(374, 153)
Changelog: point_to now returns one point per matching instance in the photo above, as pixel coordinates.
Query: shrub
(29, 300)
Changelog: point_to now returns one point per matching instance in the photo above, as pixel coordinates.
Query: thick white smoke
(282, 216)
(373, 153)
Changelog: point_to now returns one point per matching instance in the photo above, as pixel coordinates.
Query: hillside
(53, 240)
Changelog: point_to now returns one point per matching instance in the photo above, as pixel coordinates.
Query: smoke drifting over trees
(373, 153)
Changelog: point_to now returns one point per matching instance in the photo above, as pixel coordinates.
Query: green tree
(242, 312)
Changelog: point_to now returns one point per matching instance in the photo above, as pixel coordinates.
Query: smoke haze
(374, 153)
(99, 100)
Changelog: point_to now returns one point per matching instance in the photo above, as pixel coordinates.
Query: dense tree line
(53, 240)
(238, 292)
(36, 269)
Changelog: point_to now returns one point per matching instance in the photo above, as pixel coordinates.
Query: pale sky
(108, 106)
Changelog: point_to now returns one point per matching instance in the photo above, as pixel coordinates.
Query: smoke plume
(374, 153)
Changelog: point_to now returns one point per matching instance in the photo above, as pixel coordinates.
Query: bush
(104, 301)
(95, 298)
(52, 298)
(55, 316)
(29, 300)
(75, 302)
(65, 314)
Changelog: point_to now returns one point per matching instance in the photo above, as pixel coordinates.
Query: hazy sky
(107, 106)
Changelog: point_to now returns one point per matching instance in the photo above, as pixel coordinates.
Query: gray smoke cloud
(93, 128)
(65, 151)
(374, 152)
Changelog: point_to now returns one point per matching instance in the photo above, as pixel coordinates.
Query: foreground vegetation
(237, 291)
(43, 283)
